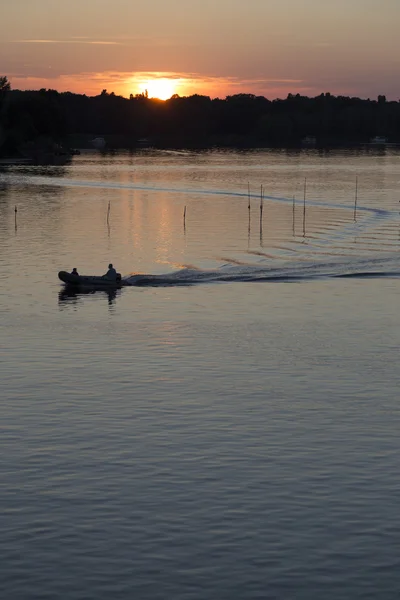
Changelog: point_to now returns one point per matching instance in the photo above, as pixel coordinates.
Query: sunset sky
(212, 47)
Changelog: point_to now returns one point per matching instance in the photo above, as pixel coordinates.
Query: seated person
(74, 271)
(111, 273)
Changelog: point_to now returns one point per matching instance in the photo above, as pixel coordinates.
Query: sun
(161, 88)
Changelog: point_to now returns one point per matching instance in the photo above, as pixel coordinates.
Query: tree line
(28, 118)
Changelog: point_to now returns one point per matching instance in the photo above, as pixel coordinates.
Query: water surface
(227, 425)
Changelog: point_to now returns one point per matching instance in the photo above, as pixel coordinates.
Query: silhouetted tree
(4, 85)
(239, 119)
(5, 88)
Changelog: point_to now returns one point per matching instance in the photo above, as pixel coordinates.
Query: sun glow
(162, 88)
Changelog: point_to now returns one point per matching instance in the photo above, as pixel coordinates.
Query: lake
(226, 426)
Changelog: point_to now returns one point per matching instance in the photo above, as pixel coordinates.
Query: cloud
(72, 41)
(310, 44)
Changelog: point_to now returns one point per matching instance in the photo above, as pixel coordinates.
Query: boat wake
(279, 271)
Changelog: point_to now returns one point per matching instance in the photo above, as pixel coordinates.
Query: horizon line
(176, 96)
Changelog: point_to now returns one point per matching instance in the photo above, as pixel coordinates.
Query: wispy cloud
(120, 40)
(309, 44)
(72, 41)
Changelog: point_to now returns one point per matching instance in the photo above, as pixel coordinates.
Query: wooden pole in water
(261, 215)
(184, 216)
(108, 212)
(15, 217)
(294, 229)
(304, 207)
(355, 199)
(249, 207)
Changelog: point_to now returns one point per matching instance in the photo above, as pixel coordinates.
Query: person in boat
(111, 273)
(74, 271)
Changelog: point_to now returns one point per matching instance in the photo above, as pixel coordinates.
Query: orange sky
(212, 47)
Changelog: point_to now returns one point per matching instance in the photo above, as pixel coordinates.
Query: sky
(212, 47)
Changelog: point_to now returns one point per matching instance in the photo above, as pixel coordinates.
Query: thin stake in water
(304, 207)
(294, 229)
(261, 215)
(108, 212)
(355, 200)
(249, 207)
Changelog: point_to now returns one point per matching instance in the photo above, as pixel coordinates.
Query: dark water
(227, 425)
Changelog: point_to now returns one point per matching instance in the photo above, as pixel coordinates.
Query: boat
(99, 143)
(93, 281)
(309, 140)
(143, 142)
(378, 140)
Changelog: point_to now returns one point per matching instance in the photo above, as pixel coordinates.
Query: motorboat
(309, 140)
(378, 140)
(99, 143)
(94, 281)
